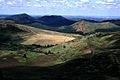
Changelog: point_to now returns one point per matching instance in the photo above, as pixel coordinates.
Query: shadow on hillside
(108, 30)
(97, 67)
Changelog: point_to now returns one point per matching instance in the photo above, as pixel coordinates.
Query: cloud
(9, 3)
(84, 0)
(105, 2)
(110, 0)
(61, 3)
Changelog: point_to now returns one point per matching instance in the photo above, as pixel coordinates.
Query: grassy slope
(23, 31)
(82, 45)
(99, 54)
(90, 44)
(12, 32)
(100, 64)
(88, 27)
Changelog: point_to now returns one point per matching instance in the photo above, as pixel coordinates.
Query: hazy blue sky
(61, 7)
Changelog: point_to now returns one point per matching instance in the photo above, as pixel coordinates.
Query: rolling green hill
(88, 27)
(90, 45)
(13, 31)
(17, 41)
(82, 59)
(117, 21)
(31, 53)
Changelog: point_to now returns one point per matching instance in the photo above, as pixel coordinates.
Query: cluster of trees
(22, 53)
(15, 47)
(4, 38)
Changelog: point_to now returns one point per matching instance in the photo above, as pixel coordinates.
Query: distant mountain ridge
(62, 24)
(21, 18)
(55, 21)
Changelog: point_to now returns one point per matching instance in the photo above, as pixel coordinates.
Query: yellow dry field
(45, 39)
